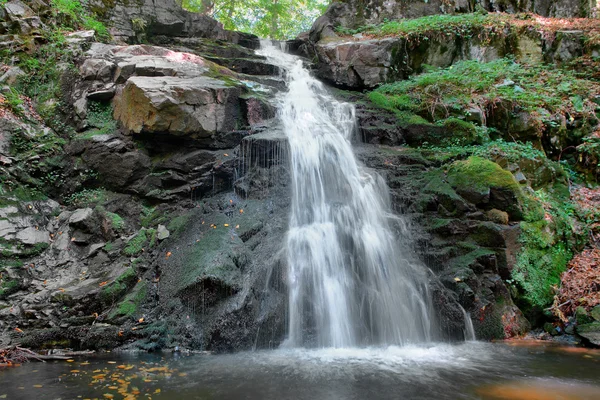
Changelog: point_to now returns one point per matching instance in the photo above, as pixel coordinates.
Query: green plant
(87, 197)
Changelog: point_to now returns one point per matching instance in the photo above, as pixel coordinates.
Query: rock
(162, 232)
(11, 76)
(590, 332)
(566, 46)
(132, 19)
(16, 10)
(582, 317)
(595, 313)
(32, 236)
(497, 216)
(198, 107)
(81, 216)
(97, 69)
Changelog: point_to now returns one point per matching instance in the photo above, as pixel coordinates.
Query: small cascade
(352, 280)
(469, 331)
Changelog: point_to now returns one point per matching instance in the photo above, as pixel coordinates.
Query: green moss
(178, 223)
(137, 243)
(548, 243)
(117, 289)
(116, 221)
(480, 174)
(9, 287)
(131, 303)
(453, 91)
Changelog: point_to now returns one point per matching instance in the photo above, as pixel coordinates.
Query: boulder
(197, 107)
(590, 332)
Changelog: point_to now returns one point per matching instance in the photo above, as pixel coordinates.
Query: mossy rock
(117, 289)
(485, 183)
(130, 305)
(590, 332)
(581, 316)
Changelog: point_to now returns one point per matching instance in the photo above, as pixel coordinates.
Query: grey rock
(162, 232)
(11, 76)
(33, 236)
(81, 215)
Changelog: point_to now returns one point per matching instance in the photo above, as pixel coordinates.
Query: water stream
(351, 282)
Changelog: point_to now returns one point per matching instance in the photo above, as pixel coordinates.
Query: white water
(349, 282)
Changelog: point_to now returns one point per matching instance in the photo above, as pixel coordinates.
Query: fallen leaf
(242, 211)
(169, 254)
(70, 360)
(38, 386)
(141, 320)
(103, 283)
(237, 227)
(457, 280)
(74, 371)
(112, 362)
(19, 330)
(226, 225)
(226, 155)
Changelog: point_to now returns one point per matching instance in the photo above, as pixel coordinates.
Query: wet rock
(590, 332)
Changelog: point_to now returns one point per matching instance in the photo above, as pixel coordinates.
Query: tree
(275, 19)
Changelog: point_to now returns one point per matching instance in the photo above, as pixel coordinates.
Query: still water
(519, 370)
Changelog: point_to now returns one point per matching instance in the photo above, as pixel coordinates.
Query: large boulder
(197, 106)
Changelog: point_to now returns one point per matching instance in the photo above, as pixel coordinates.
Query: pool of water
(517, 370)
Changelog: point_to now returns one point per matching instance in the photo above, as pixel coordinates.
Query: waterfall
(352, 280)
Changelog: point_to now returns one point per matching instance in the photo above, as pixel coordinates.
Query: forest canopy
(274, 19)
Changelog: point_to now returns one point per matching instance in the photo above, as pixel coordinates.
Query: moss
(544, 256)
(130, 305)
(117, 289)
(136, 245)
(480, 174)
(9, 287)
(116, 221)
(178, 223)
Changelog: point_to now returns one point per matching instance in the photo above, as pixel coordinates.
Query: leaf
(225, 225)
(141, 320)
(38, 386)
(169, 254)
(103, 284)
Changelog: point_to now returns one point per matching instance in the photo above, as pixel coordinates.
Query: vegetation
(279, 19)
(471, 85)
(482, 25)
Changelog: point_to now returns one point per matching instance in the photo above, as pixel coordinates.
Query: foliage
(87, 197)
(548, 244)
(72, 14)
(136, 245)
(453, 91)
(275, 19)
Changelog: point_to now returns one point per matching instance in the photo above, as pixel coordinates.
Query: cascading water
(350, 284)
